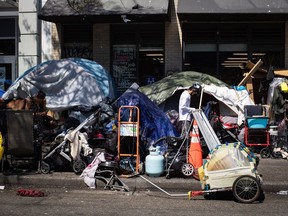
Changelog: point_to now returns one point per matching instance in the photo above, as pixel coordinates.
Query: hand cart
(128, 139)
(257, 130)
(230, 168)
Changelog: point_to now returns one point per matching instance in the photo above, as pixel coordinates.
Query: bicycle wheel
(246, 189)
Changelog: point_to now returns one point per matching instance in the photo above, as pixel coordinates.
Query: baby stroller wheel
(78, 166)
(187, 169)
(45, 167)
(246, 189)
(265, 152)
(167, 176)
(141, 168)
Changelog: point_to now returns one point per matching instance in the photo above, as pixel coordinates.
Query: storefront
(133, 32)
(219, 37)
(137, 54)
(143, 41)
(222, 49)
(8, 51)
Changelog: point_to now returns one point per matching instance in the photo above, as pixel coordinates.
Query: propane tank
(154, 162)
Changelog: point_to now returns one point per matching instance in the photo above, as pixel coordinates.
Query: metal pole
(173, 195)
(201, 96)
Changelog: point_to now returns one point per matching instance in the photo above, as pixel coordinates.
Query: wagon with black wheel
(231, 168)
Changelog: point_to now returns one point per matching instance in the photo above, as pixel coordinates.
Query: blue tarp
(1, 92)
(154, 123)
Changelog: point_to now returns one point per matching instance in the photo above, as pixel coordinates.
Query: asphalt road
(63, 196)
(59, 201)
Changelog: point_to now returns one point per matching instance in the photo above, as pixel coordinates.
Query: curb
(274, 174)
(72, 181)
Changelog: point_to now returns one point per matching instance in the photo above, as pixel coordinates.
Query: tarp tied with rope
(66, 83)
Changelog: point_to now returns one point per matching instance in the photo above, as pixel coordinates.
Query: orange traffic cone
(195, 150)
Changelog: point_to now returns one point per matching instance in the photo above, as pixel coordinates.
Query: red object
(195, 150)
(30, 193)
(256, 137)
(195, 193)
(98, 135)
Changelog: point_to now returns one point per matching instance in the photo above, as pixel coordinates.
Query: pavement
(274, 173)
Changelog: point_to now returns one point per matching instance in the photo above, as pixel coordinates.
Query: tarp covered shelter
(168, 89)
(154, 123)
(159, 91)
(1, 92)
(66, 82)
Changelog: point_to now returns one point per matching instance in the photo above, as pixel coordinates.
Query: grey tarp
(66, 82)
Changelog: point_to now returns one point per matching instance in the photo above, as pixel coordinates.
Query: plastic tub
(257, 122)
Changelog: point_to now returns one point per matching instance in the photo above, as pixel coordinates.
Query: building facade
(143, 41)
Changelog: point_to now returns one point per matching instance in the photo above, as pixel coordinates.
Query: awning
(105, 11)
(254, 10)
(8, 5)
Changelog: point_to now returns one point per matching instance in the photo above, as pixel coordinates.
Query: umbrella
(66, 82)
(159, 91)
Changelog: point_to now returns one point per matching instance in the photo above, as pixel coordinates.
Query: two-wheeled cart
(229, 167)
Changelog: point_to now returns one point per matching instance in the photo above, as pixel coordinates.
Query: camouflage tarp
(159, 91)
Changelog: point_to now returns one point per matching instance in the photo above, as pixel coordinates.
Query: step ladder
(206, 129)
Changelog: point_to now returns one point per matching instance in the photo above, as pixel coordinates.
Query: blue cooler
(257, 122)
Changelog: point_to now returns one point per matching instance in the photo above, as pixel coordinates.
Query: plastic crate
(257, 122)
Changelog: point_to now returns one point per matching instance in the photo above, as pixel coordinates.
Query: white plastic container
(154, 163)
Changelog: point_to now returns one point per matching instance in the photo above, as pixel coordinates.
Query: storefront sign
(124, 66)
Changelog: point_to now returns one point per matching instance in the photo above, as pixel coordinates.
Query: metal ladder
(206, 130)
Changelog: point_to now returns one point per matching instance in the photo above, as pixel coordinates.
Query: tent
(161, 90)
(233, 98)
(66, 82)
(166, 92)
(1, 92)
(154, 122)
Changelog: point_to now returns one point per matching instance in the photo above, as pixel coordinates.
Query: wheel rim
(141, 168)
(45, 168)
(187, 169)
(79, 166)
(246, 189)
(265, 153)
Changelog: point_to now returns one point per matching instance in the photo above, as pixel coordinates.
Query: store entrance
(151, 65)
(7, 68)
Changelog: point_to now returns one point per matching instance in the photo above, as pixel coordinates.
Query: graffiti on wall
(77, 50)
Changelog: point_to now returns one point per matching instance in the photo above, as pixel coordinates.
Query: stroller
(176, 157)
(60, 153)
(62, 150)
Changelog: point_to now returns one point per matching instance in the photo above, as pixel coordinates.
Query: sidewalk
(274, 174)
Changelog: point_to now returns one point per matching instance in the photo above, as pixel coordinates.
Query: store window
(137, 54)
(223, 49)
(7, 37)
(77, 41)
(7, 52)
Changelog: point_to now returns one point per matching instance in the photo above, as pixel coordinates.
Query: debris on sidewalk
(30, 193)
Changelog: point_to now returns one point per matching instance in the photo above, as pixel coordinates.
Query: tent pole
(201, 97)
